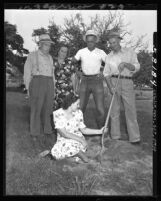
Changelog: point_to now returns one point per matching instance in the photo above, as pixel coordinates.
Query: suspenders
(37, 62)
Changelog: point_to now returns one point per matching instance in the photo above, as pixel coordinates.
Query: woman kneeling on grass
(70, 127)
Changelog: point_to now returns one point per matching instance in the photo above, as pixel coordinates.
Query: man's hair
(69, 100)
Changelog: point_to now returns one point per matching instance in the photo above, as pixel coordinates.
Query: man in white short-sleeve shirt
(91, 59)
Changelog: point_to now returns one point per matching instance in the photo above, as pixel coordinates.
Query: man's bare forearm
(109, 82)
(130, 66)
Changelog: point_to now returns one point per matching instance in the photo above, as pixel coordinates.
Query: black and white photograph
(80, 92)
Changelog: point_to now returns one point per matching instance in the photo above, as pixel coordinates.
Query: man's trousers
(41, 91)
(126, 92)
(94, 85)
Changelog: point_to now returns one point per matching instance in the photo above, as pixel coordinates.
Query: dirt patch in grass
(125, 170)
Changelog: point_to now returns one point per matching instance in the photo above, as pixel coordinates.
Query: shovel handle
(108, 115)
(109, 111)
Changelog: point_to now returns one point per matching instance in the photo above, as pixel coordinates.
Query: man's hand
(121, 66)
(111, 90)
(79, 74)
(109, 85)
(73, 60)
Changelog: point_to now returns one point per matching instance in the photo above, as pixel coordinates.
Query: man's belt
(122, 77)
(95, 75)
(42, 76)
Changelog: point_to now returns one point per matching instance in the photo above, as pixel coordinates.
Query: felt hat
(114, 34)
(45, 38)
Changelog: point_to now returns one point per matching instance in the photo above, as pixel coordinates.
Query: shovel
(107, 119)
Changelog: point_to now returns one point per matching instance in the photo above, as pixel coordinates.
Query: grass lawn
(125, 170)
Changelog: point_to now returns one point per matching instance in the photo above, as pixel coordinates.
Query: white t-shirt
(91, 60)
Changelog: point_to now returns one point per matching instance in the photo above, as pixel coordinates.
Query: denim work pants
(126, 92)
(41, 92)
(93, 85)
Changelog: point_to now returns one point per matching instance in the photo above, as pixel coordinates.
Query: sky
(141, 22)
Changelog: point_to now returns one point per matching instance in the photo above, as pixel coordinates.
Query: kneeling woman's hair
(69, 100)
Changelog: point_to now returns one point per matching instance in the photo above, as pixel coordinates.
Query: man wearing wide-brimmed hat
(91, 59)
(123, 60)
(39, 81)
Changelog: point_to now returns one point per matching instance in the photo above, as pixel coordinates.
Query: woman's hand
(103, 130)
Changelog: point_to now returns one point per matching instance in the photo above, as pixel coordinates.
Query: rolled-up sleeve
(27, 71)
(134, 61)
(107, 69)
(104, 55)
(78, 55)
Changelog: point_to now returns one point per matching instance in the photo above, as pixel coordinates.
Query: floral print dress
(66, 147)
(63, 84)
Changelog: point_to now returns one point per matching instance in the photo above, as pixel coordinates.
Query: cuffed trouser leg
(128, 96)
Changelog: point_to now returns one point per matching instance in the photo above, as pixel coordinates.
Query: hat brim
(84, 37)
(114, 36)
(45, 41)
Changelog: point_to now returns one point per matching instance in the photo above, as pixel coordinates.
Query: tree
(14, 46)
(54, 32)
(144, 75)
(75, 28)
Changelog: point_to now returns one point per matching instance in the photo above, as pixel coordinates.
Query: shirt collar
(92, 50)
(122, 50)
(41, 53)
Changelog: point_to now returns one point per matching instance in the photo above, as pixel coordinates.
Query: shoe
(136, 143)
(44, 153)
